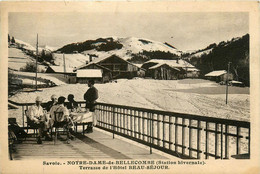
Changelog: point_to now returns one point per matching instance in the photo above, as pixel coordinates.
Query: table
(82, 117)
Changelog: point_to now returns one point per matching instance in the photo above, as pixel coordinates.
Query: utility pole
(227, 82)
(36, 61)
(64, 64)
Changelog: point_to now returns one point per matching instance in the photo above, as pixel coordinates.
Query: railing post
(150, 133)
(124, 120)
(190, 138)
(127, 122)
(183, 136)
(113, 122)
(23, 117)
(207, 141)
(198, 139)
(226, 141)
(139, 124)
(221, 141)
(176, 134)
(238, 140)
(249, 143)
(158, 129)
(170, 132)
(216, 140)
(152, 122)
(143, 125)
(163, 125)
(131, 121)
(134, 123)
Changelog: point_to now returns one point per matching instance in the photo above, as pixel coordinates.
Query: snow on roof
(173, 63)
(90, 73)
(97, 60)
(138, 64)
(159, 64)
(192, 69)
(60, 69)
(216, 73)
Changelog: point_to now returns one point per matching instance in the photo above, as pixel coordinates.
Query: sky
(186, 31)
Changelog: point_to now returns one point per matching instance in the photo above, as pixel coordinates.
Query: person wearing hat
(38, 119)
(63, 120)
(49, 104)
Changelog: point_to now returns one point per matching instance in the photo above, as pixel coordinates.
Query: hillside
(217, 56)
(136, 50)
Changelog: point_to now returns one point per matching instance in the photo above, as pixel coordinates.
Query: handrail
(163, 129)
(182, 115)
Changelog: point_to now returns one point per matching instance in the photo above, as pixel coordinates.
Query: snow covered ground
(192, 96)
(17, 59)
(52, 77)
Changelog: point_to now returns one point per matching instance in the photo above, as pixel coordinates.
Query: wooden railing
(182, 135)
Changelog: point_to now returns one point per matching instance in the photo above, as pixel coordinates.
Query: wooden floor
(96, 145)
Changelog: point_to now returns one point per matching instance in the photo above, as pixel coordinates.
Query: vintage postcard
(129, 87)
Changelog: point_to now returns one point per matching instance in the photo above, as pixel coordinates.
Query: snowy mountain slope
(123, 47)
(200, 53)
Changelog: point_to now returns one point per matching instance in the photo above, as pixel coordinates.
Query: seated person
(37, 118)
(72, 105)
(49, 104)
(64, 119)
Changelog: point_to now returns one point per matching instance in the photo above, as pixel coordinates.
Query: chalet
(114, 67)
(175, 69)
(218, 76)
(84, 75)
(165, 72)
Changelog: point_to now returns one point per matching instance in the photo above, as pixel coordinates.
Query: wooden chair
(31, 125)
(57, 125)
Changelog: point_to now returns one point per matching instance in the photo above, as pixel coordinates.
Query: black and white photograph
(130, 90)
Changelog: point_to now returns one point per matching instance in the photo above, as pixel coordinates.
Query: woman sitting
(72, 105)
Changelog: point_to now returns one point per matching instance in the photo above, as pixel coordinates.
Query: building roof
(216, 73)
(159, 64)
(97, 60)
(174, 63)
(60, 69)
(89, 73)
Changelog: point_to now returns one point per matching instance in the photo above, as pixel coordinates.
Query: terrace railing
(183, 135)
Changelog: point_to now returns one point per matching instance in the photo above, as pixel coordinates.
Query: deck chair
(59, 125)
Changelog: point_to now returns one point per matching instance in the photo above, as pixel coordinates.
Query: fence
(183, 135)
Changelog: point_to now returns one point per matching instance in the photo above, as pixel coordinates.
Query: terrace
(124, 132)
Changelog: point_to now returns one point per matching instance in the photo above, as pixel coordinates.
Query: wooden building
(218, 76)
(114, 67)
(170, 69)
(165, 72)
